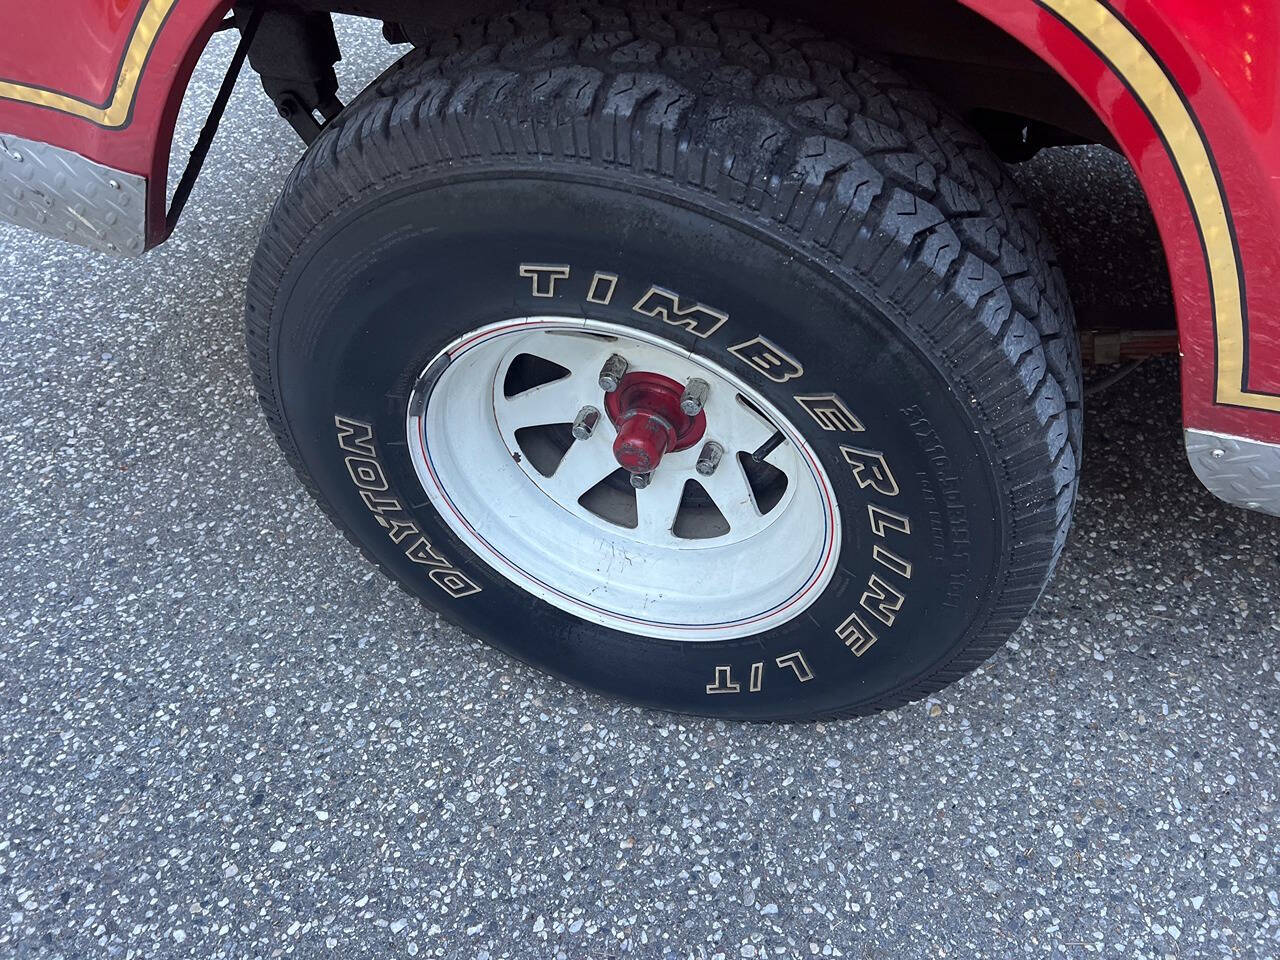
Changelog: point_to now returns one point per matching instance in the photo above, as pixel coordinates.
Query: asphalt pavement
(223, 734)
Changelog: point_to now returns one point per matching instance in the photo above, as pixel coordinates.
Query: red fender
(1188, 89)
(104, 78)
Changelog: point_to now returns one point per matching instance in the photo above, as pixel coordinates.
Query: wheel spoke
(585, 464)
(658, 504)
(736, 426)
(556, 402)
(731, 493)
(641, 559)
(581, 353)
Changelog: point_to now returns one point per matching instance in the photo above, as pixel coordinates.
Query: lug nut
(611, 374)
(709, 458)
(584, 424)
(641, 480)
(694, 397)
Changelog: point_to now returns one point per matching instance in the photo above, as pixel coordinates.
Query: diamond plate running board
(64, 195)
(1242, 472)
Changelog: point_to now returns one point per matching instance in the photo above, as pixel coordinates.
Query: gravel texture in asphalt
(222, 734)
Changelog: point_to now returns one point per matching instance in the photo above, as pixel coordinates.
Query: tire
(710, 190)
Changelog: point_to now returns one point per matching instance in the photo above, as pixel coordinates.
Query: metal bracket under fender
(1243, 472)
(61, 194)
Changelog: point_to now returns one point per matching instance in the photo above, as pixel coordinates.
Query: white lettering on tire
(356, 439)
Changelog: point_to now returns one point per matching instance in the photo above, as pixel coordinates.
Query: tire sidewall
(384, 285)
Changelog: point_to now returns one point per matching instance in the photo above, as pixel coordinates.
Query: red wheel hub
(646, 410)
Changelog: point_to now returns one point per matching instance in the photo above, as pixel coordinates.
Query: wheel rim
(683, 555)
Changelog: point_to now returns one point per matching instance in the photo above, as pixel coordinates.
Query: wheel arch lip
(1190, 99)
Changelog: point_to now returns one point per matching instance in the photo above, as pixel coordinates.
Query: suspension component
(293, 53)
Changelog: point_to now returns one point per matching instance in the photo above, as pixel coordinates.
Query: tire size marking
(355, 439)
(948, 517)
(792, 663)
(882, 599)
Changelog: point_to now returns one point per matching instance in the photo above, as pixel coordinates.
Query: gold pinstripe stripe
(116, 111)
(1144, 75)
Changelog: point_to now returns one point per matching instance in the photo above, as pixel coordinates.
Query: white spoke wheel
(726, 384)
(740, 548)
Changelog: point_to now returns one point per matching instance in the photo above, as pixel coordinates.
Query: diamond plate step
(61, 194)
(1242, 472)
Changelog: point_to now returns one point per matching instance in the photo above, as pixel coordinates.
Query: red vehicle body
(1187, 90)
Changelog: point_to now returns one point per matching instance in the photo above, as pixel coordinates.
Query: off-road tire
(580, 133)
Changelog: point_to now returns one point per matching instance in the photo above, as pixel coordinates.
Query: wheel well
(1003, 89)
